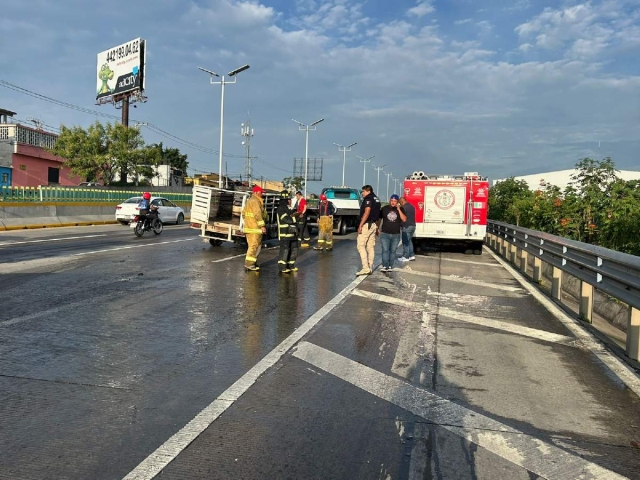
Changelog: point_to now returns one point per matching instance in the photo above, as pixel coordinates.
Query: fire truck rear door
(444, 204)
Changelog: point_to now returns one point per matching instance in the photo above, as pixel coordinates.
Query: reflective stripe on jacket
(285, 221)
(253, 215)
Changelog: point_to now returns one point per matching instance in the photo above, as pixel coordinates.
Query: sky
(499, 87)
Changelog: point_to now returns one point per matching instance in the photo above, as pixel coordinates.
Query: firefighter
(326, 210)
(288, 235)
(254, 227)
(301, 209)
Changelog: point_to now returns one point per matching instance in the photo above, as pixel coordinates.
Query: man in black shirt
(369, 216)
(392, 216)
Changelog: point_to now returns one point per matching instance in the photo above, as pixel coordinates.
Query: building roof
(561, 178)
(7, 112)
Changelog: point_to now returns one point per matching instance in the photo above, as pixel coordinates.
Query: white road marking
(541, 458)
(228, 258)
(45, 240)
(388, 299)
(132, 246)
(416, 345)
(169, 450)
(621, 370)
(471, 262)
(505, 326)
(467, 281)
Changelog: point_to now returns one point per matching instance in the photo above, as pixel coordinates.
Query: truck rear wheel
(477, 248)
(342, 227)
(215, 242)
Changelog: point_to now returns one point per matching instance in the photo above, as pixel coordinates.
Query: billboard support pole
(125, 111)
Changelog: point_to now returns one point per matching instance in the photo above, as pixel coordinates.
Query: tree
(503, 198)
(100, 151)
(295, 183)
(85, 152)
(172, 157)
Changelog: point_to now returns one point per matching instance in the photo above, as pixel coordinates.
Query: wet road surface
(125, 357)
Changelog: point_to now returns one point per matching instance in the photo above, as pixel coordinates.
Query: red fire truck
(449, 208)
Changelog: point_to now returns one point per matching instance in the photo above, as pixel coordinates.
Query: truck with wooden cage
(217, 214)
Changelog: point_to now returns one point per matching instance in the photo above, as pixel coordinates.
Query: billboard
(121, 69)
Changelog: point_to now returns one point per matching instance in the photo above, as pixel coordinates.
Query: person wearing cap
(254, 227)
(392, 216)
(326, 210)
(301, 209)
(287, 234)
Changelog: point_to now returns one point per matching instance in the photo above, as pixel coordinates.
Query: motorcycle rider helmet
(146, 196)
(323, 197)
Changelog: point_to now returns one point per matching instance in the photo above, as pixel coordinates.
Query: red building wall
(31, 168)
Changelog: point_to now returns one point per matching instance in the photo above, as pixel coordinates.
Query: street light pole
(307, 128)
(344, 150)
(364, 169)
(388, 176)
(379, 169)
(222, 82)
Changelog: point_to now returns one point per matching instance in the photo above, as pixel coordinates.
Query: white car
(169, 211)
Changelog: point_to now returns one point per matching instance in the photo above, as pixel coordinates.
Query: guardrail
(614, 273)
(74, 194)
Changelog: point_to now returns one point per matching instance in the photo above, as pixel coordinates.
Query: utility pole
(247, 132)
(364, 170)
(379, 169)
(307, 129)
(344, 150)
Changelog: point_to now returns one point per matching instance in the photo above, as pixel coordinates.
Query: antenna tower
(247, 132)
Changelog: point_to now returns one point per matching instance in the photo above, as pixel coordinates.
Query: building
(25, 160)
(561, 178)
(167, 176)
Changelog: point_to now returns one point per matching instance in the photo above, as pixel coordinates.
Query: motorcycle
(140, 224)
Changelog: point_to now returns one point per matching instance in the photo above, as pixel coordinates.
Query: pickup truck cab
(347, 201)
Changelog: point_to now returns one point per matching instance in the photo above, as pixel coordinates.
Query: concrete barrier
(16, 216)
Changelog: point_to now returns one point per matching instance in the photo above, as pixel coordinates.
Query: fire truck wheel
(477, 248)
(215, 242)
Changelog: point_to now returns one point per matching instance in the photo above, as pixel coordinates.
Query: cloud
(421, 9)
(405, 91)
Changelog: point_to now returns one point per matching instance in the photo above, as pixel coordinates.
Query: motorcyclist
(147, 210)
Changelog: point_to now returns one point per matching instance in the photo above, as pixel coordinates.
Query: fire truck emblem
(417, 191)
(444, 199)
(482, 192)
(407, 191)
(421, 205)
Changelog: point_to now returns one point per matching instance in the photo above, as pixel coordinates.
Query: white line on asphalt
(505, 326)
(468, 281)
(44, 240)
(487, 322)
(169, 450)
(387, 299)
(471, 262)
(228, 258)
(539, 457)
(623, 372)
(132, 246)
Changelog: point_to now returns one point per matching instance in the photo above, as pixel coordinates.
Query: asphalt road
(161, 358)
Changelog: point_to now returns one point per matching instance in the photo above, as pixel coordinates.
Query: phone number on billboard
(124, 51)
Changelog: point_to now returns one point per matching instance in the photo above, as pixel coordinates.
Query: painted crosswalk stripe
(505, 326)
(468, 281)
(541, 458)
(387, 299)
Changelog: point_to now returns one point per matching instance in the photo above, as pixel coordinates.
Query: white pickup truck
(217, 214)
(347, 202)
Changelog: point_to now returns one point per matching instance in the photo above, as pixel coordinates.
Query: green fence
(61, 194)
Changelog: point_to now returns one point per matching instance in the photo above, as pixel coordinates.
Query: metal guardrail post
(524, 261)
(633, 334)
(513, 253)
(537, 269)
(556, 284)
(586, 301)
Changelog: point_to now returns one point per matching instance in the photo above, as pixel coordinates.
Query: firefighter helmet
(285, 194)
